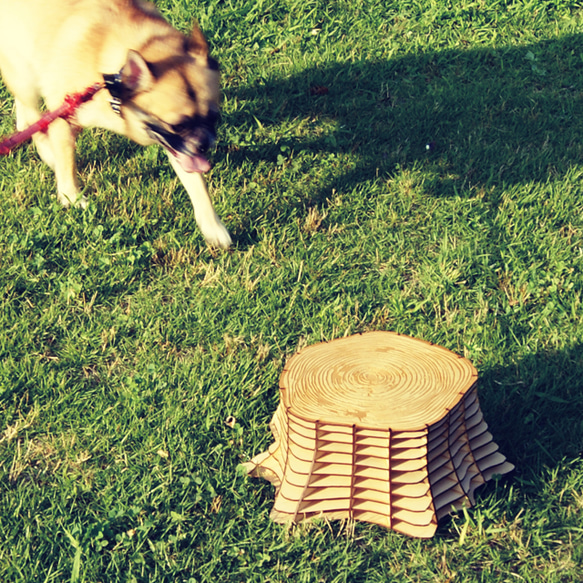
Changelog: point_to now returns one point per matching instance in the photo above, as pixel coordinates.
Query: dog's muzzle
(187, 142)
(196, 136)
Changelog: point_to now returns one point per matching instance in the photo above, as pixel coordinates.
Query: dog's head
(168, 93)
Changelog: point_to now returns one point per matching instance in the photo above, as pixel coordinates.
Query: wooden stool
(377, 427)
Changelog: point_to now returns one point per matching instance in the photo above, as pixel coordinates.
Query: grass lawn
(125, 342)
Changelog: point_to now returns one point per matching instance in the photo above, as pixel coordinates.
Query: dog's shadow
(474, 118)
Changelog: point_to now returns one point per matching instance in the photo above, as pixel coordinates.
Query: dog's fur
(168, 85)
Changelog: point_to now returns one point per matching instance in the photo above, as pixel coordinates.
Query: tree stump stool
(378, 427)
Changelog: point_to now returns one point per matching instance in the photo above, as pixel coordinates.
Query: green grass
(126, 343)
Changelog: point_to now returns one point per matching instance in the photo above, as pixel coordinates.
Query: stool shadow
(534, 409)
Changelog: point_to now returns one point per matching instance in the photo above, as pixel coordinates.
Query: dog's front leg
(62, 139)
(210, 225)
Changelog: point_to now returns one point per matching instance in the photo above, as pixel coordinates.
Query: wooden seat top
(381, 380)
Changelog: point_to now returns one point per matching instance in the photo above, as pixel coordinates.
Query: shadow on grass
(534, 408)
(474, 119)
(494, 118)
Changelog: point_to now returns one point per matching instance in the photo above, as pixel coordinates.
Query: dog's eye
(213, 64)
(209, 121)
(180, 128)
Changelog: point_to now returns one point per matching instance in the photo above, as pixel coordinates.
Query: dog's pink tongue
(193, 162)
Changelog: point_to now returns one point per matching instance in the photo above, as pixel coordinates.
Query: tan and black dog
(161, 87)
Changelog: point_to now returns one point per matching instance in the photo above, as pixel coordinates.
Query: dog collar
(114, 85)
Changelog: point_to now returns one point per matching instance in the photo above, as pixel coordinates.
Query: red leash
(69, 107)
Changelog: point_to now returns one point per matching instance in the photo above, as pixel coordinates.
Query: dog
(160, 87)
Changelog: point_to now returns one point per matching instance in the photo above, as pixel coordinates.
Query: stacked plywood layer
(378, 427)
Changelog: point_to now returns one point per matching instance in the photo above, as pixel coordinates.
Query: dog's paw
(82, 202)
(76, 200)
(217, 235)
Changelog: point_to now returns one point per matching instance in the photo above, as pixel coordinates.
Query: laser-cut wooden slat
(378, 427)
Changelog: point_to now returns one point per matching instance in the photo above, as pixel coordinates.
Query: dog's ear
(135, 74)
(197, 44)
